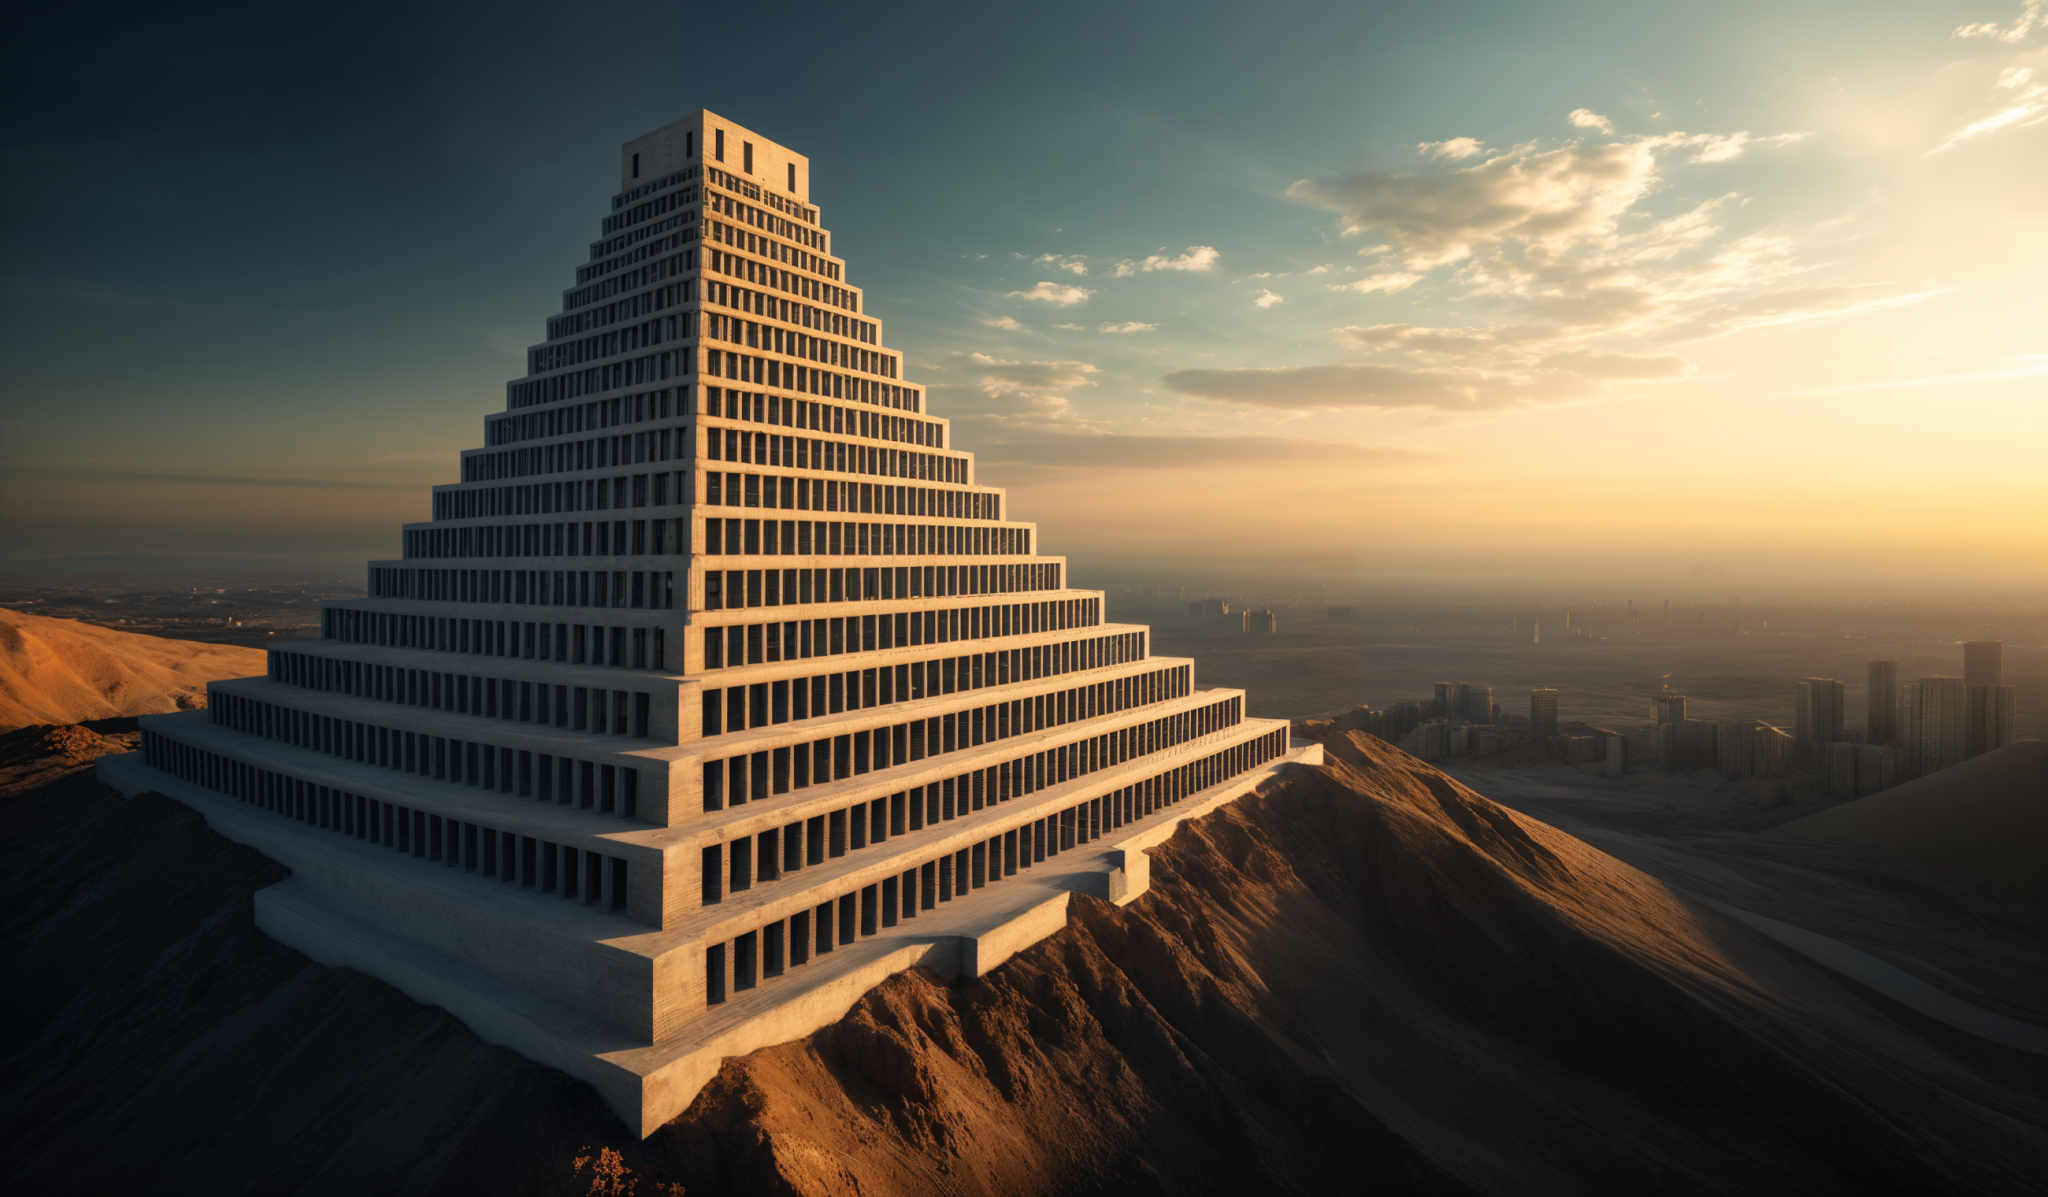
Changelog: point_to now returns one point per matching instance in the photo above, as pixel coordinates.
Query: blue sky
(267, 270)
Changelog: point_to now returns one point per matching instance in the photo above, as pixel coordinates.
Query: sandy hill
(64, 671)
(1975, 830)
(1364, 977)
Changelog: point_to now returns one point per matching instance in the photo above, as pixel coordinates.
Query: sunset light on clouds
(1522, 296)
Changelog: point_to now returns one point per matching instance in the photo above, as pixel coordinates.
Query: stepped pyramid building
(718, 690)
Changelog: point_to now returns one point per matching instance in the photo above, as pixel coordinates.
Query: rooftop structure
(716, 691)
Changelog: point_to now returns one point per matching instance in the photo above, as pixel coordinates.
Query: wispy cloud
(1455, 148)
(1006, 323)
(1266, 299)
(1195, 258)
(1586, 118)
(1125, 328)
(1385, 283)
(1060, 294)
(2033, 16)
(1071, 263)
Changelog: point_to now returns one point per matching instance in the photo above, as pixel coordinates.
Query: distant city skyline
(1469, 290)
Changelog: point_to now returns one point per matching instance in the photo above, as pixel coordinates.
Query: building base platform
(648, 1085)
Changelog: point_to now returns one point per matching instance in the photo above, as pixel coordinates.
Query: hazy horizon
(1463, 296)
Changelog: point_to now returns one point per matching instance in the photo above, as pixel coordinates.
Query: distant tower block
(1817, 715)
(1472, 702)
(1983, 662)
(1442, 704)
(1941, 731)
(1881, 724)
(1543, 712)
(716, 691)
(1990, 718)
(1261, 623)
(1667, 708)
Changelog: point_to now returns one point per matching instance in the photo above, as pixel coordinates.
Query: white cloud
(1006, 323)
(1384, 283)
(1455, 148)
(1071, 263)
(2033, 15)
(1317, 270)
(1072, 327)
(1126, 327)
(1266, 299)
(2025, 106)
(1061, 294)
(1586, 118)
(1196, 258)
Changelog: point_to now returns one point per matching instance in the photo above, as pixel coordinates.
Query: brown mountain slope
(1978, 830)
(64, 671)
(1365, 977)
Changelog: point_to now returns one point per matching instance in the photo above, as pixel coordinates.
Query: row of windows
(630, 280)
(809, 414)
(645, 303)
(640, 253)
(735, 366)
(577, 874)
(609, 246)
(765, 704)
(583, 453)
(748, 959)
(813, 453)
(557, 355)
(833, 538)
(806, 278)
(622, 491)
(623, 217)
(652, 589)
(571, 384)
(811, 237)
(504, 428)
(753, 776)
(571, 708)
(790, 343)
(588, 538)
(522, 640)
(519, 772)
(645, 189)
(737, 589)
(821, 494)
(798, 640)
(790, 311)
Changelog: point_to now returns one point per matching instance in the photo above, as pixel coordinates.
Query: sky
(1733, 295)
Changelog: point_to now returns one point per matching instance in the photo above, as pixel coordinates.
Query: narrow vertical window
(792, 178)
(747, 156)
(718, 145)
(690, 145)
(636, 166)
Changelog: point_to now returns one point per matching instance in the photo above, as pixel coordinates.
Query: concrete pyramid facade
(715, 692)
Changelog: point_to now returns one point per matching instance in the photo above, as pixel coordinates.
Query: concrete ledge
(648, 1085)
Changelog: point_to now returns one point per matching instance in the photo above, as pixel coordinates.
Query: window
(636, 166)
(747, 156)
(689, 145)
(792, 178)
(718, 145)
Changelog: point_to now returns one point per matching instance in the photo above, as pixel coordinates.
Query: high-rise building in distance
(717, 689)
(1881, 723)
(1983, 662)
(1543, 711)
(1941, 735)
(1667, 708)
(1472, 702)
(1991, 717)
(1817, 715)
